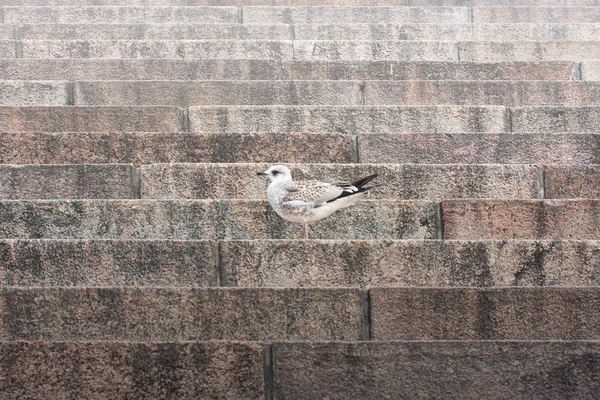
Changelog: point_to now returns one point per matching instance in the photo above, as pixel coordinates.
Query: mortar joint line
(354, 152)
(240, 15)
(509, 122)
(18, 49)
(136, 181)
(369, 316)
(458, 51)
(580, 71)
(543, 181)
(268, 371)
(219, 278)
(470, 12)
(185, 120)
(440, 216)
(70, 87)
(1, 14)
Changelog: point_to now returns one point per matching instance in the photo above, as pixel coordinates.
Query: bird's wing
(313, 192)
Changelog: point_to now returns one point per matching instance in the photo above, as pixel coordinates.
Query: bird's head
(277, 173)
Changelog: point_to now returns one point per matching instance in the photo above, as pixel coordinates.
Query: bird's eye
(275, 173)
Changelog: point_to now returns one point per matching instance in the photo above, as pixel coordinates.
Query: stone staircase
(138, 256)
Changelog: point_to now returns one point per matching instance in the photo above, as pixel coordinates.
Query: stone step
(209, 219)
(336, 31)
(105, 263)
(115, 14)
(90, 181)
(534, 15)
(306, 314)
(8, 49)
(191, 93)
(178, 314)
(186, 93)
(489, 314)
(283, 50)
(91, 119)
(121, 370)
(591, 70)
(284, 3)
(350, 370)
(555, 119)
(477, 148)
(401, 182)
(155, 147)
(380, 119)
(437, 370)
(298, 263)
(520, 219)
(98, 69)
(563, 182)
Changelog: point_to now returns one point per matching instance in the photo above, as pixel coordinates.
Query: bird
(310, 201)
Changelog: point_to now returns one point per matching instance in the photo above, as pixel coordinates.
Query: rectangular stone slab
(402, 182)
(7, 32)
(409, 263)
(156, 147)
(39, 93)
(94, 119)
(112, 14)
(458, 370)
(185, 93)
(173, 69)
(209, 219)
(528, 51)
(353, 15)
(521, 219)
(378, 119)
(477, 148)
(555, 119)
(89, 181)
(590, 70)
(119, 370)
(105, 263)
(535, 15)
(169, 314)
(572, 181)
(7, 49)
(485, 314)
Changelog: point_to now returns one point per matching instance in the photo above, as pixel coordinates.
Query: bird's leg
(305, 230)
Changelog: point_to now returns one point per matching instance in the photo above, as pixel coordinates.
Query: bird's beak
(261, 173)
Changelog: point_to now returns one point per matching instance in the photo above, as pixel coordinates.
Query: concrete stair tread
(130, 69)
(299, 263)
(299, 92)
(283, 3)
(313, 314)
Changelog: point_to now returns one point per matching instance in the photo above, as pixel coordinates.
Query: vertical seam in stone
(268, 371)
(361, 93)
(509, 127)
(18, 49)
(17, 32)
(579, 71)
(542, 177)
(1, 14)
(354, 150)
(136, 182)
(240, 15)
(439, 210)
(185, 120)
(367, 322)
(457, 51)
(470, 12)
(217, 263)
(292, 30)
(70, 87)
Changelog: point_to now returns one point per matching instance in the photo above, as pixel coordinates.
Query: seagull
(310, 201)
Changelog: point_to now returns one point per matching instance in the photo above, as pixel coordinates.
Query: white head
(277, 173)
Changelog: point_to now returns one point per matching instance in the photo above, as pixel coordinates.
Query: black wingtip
(363, 181)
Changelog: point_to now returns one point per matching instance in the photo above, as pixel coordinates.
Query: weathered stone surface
(7, 49)
(94, 119)
(185, 93)
(526, 219)
(437, 370)
(112, 14)
(146, 49)
(392, 70)
(508, 93)
(102, 263)
(149, 147)
(158, 3)
(156, 31)
(590, 70)
(409, 263)
(570, 181)
(209, 219)
(23, 93)
(380, 119)
(165, 69)
(353, 15)
(476, 148)
(528, 51)
(115, 181)
(7, 32)
(298, 3)
(329, 50)
(536, 15)
(402, 182)
(141, 314)
(121, 370)
(485, 314)
(446, 32)
(555, 119)
(103, 70)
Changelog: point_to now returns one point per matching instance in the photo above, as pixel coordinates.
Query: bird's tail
(356, 187)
